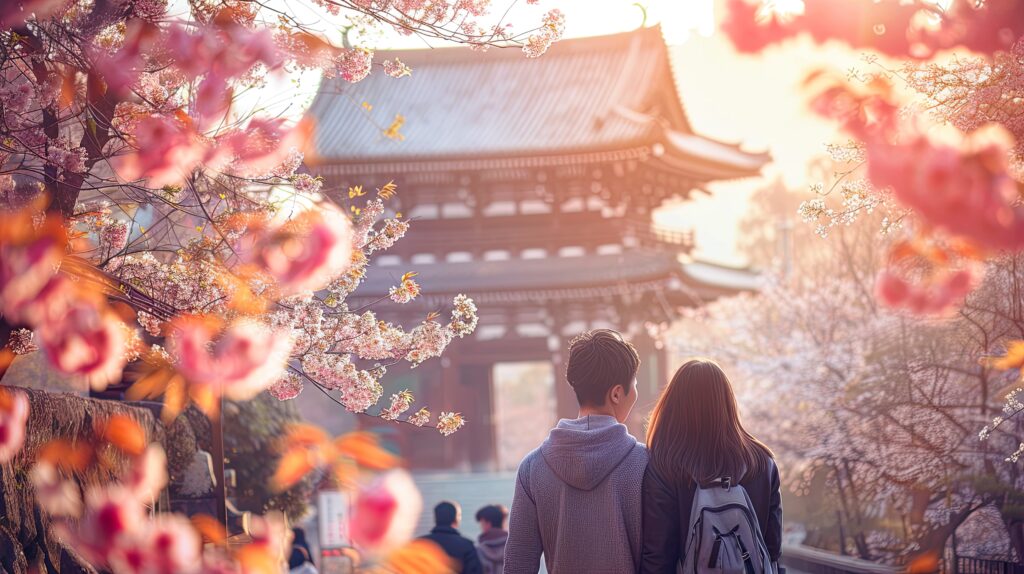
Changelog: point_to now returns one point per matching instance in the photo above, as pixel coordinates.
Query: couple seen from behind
(703, 495)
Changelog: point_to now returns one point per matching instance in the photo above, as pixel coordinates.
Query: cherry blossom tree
(930, 153)
(158, 232)
(880, 406)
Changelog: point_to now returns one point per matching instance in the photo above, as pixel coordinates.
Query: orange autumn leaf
(365, 450)
(1013, 359)
(124, 433)
(304, 435)
(205, 399)
(151, 385)
(419, 557)
(254, 559)
(294, 464)
(241, 297)
(924, 564)
(67, 455)
(209, 528)
(6, 358)
(175, 399)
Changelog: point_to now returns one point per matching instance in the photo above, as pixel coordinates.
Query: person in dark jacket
(447, 516)
(695, 435)
(492, 539)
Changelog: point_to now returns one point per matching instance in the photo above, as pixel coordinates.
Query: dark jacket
(491, 548)
(667, 502)
(457, 546)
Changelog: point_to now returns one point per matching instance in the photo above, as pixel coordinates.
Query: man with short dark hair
(577, 497)
(447, 516)
(491, 542)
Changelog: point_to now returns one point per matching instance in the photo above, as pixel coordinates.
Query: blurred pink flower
(305, 253)
(25, 270)
(963, 188)
(965, 191)
(262, 145)
(112, 516)
(147, 475)
(223, 49)
(238, 362)
(890, 27)
(934, 295)
(13, 417)
(385, 513)
(56, 495)
(85, 341)
(122, 68)
(167, 544)
(165, 152)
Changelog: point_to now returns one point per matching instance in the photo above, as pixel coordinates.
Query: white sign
(333, 508)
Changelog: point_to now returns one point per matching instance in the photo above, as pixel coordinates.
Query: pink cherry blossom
(961, 187)
(384, 513)
(965, 190)
(405, 291)
(13, 417)
(891, 27)
(354, 64)
(400, 402)
(26, 266)
(287, 388)
(56, 495)
(121, 68)
(261, 146)
(147, 475)
(85, 341)
(166, 151)
(112, 516)
(238, 362)
(167, 544)
(934, 296)
(305, 253)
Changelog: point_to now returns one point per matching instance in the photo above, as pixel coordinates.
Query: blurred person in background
(577, 499)
(492, 539)
(447, 516)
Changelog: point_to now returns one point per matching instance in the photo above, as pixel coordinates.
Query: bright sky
(755, 100)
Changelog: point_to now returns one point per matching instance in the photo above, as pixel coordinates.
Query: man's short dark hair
(599, 360)
(494, 514)
(445, 513)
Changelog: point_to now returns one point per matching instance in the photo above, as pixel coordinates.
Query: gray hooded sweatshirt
(577, 501)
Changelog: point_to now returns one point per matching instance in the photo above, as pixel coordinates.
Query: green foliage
(251, 430)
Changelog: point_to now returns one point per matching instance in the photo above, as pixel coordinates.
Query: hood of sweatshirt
(492, 544)
(582, 452)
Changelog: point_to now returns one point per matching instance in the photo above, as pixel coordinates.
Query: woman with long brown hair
(699, 450)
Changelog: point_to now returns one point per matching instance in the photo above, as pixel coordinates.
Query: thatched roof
(26, 540)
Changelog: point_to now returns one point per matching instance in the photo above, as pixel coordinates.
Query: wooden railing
(969, 565)
(804, 559)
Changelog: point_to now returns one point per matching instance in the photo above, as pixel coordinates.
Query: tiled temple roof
(583, 100)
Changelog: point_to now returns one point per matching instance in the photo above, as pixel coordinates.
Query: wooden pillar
(566, 405)
(217, 447)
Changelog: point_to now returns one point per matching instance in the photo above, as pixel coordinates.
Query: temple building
(530, 184)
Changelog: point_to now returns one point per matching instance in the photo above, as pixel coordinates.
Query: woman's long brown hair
(695, 430)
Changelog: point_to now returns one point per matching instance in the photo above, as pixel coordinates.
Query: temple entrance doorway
(524, 408)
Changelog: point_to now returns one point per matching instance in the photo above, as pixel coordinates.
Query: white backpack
(724, 535)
